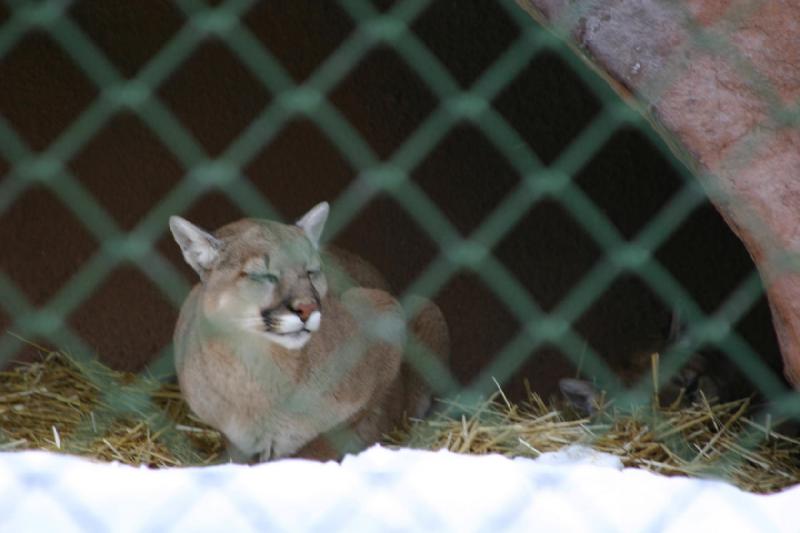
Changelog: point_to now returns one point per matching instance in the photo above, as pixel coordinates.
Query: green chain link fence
(375, 176)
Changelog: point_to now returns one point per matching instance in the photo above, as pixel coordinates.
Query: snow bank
(378, 490)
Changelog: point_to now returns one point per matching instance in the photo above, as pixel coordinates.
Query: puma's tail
(428, 338)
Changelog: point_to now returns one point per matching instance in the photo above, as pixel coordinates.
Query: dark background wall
(127, 320)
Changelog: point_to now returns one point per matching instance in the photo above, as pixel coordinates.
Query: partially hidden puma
(290, 349)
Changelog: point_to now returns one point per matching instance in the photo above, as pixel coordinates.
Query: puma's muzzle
(287, 323)
(288, 329)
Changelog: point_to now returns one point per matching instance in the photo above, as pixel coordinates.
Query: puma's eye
(260, 276)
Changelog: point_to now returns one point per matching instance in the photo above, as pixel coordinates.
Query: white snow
(379, 490)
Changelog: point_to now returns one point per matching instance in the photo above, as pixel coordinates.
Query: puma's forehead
(253, 240)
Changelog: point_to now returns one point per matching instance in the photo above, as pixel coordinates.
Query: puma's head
(259, 276)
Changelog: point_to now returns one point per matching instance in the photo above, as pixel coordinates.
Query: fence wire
(375, 176)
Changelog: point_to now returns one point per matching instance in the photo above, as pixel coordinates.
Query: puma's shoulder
(345, 270)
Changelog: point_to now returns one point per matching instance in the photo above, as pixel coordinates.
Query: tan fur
(271, 401)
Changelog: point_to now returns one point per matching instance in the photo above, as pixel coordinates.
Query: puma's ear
(313, 222)
(200, 248)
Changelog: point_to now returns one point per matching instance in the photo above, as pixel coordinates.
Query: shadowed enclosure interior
(223, 136)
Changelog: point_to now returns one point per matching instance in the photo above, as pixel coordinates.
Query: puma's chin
(290, 341)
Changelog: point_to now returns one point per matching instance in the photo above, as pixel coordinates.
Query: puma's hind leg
(428, 338)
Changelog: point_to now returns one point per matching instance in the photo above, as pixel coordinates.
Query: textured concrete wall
(721, 77)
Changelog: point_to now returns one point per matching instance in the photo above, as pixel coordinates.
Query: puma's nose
(304, 310)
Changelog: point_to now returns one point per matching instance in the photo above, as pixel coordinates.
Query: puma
(292, 350)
